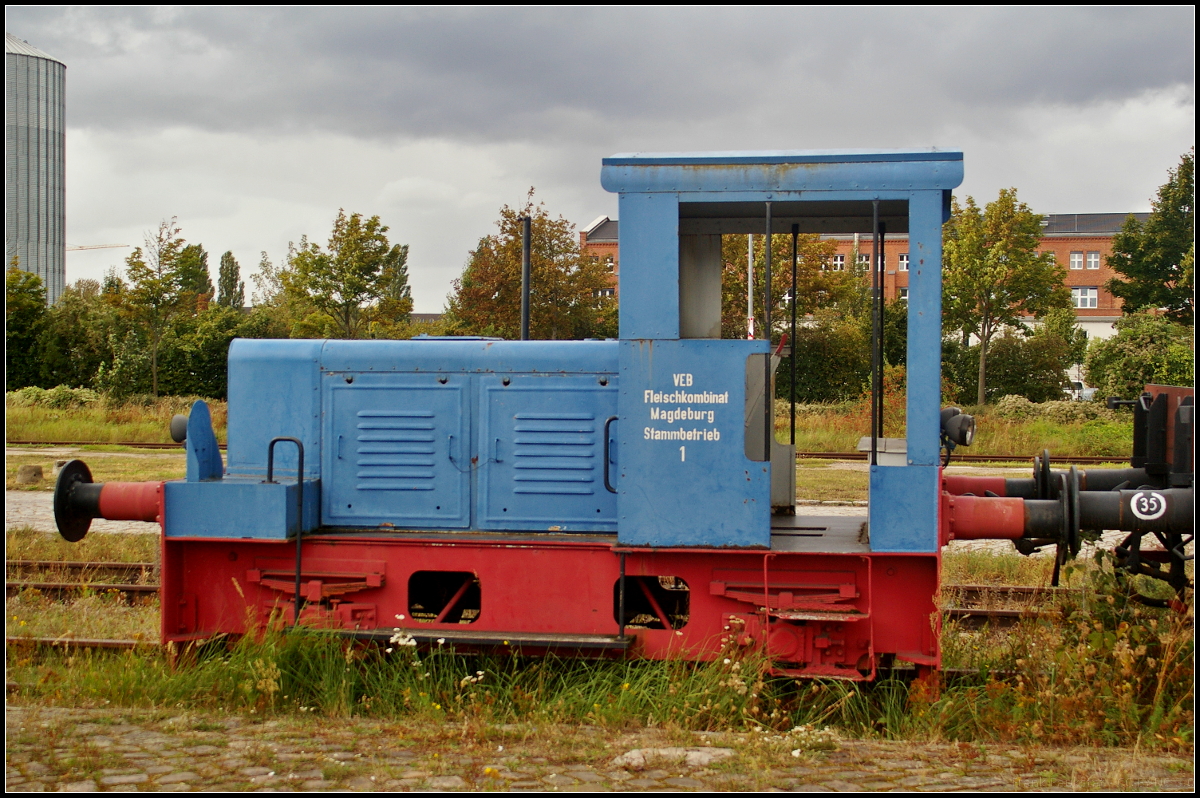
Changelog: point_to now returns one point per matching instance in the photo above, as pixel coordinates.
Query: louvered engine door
(543, 437)
(398, 451)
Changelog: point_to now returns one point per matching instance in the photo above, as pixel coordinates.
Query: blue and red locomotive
(611, 496)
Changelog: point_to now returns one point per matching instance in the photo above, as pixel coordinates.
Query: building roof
(604, 231)
(1066, 224)
(21, 47)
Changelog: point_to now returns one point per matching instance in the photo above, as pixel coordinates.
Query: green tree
(346, 280)
(1060, 323)
(1031, 366)
(992, 273)
(24, 314)
(392, 313)
(817, 285)
(196, 353)
(231, 290)
(1157, 259)
(895, 333)
(1147, 349)
(75, 338)
(277, 307)
(113, 285)
(833, 360)
(192, 268)
(567, 288)
(153, 296)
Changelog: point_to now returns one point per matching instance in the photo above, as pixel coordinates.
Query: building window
(606, 292)
(839, 263)
(1076, 260)
(903, 261)
(1093, 260)
(902, 294)
(1085, 297)
(863, 259)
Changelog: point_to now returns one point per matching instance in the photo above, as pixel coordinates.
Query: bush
(60, 397)
(1015, 407)
(832, 363)
(1067, 412)
(1018, 408)
(1146, 350)
(1033, 367)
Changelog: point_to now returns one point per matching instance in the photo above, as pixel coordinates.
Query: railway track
(119, 571)
(958, 458)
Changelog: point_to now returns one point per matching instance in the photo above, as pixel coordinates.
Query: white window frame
(839, 263)
(902, 294)
(863, 259)
(1076, 260)
(903, 261)
(1093, 260)
(1085, 297)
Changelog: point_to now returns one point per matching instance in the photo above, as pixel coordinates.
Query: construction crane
(97, 246)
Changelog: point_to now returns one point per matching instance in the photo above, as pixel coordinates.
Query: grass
(99, 615)
(830, 483)
(27, 543)
(106, 466)
(837, 428)
(1103, 671)
(989, 568)
(142, 423)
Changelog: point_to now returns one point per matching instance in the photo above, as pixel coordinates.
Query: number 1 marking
(682, 453)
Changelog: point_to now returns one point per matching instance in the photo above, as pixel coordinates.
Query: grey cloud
(594, 75)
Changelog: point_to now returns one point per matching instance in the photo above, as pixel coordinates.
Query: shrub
(1146, 349)
(59, 397)
(1018, 408)
(1014, 407)
(1067, 412)
(832, 363)
(1033, 367)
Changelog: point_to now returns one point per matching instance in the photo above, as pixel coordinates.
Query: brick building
(600, 240)
(1081, 243)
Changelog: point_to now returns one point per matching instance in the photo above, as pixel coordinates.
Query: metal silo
(34, 163)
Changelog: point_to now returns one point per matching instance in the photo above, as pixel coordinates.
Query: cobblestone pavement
(88, 750)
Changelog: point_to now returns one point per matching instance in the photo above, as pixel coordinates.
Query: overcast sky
(253, 126)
